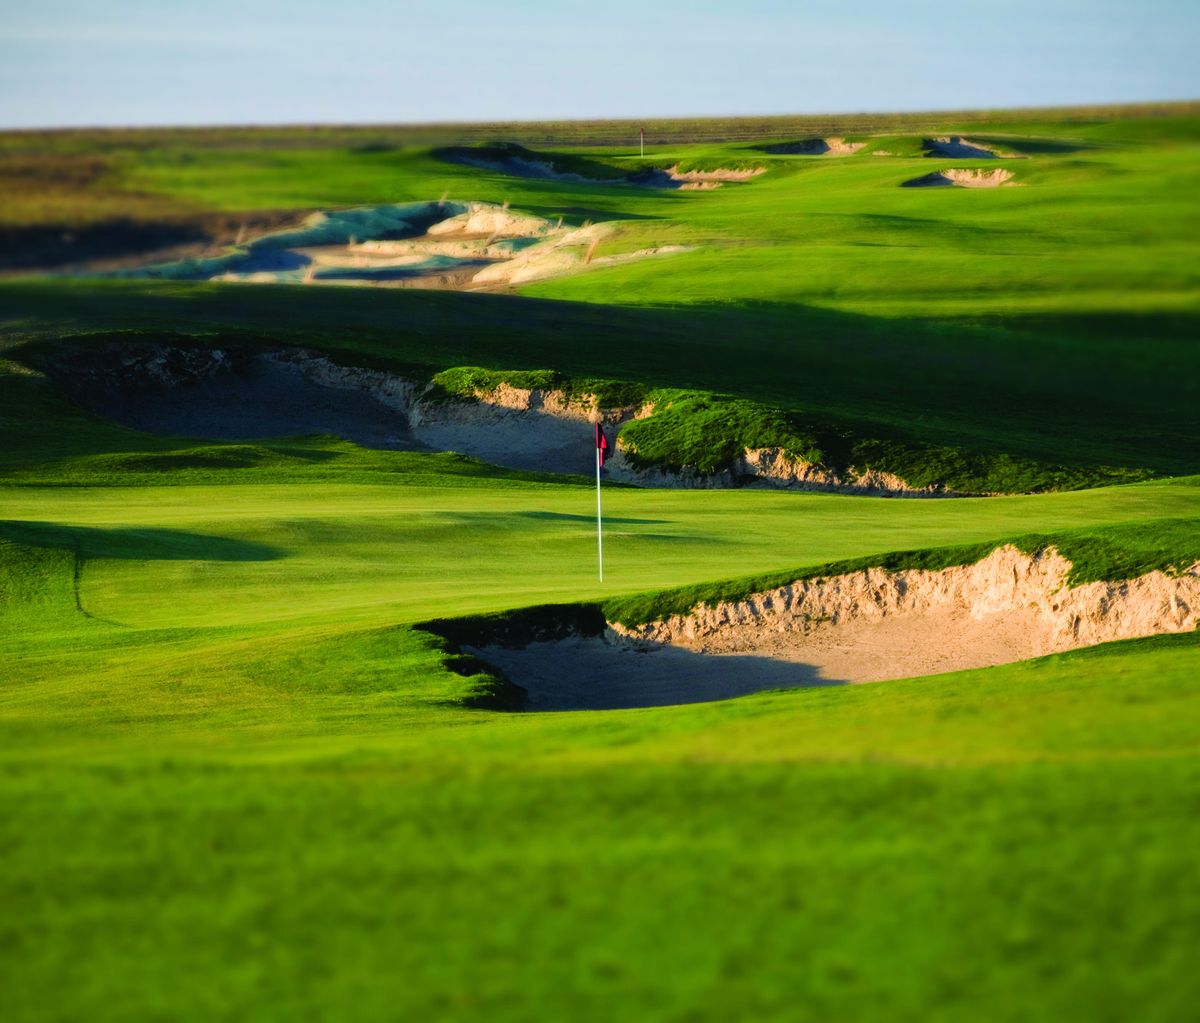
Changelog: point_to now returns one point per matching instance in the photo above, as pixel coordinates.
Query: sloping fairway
(221, 743)
(237, 783)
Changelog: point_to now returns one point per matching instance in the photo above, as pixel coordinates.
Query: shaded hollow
(227, 394)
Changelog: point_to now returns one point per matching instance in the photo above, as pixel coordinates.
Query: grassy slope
(295, 791)
(996, 390)
(234, 783)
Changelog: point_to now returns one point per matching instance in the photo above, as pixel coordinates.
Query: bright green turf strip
(395, 552)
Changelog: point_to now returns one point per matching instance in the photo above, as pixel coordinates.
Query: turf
(270, 770)
(236, 782)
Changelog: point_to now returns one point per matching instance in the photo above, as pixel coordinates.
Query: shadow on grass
(586, 213)
(608, 519)
(1065, 387)
(1039, 146)
(134, 544)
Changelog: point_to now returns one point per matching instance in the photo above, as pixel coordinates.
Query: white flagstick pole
(599, 525)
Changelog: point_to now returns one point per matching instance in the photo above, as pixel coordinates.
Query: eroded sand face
(1005, 582)
(711, 178)
(866, 626)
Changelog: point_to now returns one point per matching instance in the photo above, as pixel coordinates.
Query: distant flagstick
(601, 454)
(642, 140)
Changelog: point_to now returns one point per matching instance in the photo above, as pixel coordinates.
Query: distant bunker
(962, 178)
(957, 147)
(519, 162)
(866, 626)
(460, 246)
(832, 146)
(247, 393)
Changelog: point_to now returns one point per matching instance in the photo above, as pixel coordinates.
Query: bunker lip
(865, 626)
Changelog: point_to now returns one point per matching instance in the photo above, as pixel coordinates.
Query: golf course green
(237, 781)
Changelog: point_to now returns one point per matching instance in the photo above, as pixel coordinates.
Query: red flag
(601, 443)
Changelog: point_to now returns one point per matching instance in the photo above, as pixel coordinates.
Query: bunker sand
(867, 626)
(596, 673)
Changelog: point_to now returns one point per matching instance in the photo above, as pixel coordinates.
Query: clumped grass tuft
(707, 432)
(468, 381)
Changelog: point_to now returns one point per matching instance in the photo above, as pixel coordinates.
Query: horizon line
(1115, 105)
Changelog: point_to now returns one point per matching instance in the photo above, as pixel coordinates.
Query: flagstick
(599, 526)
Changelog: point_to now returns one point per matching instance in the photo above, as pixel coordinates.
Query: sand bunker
(866, 626)
(234, 395)
(701, 179)
(249, 394)
(461, 246)
(245, 394)
(958, 148)
(960, 178)
(832, 146)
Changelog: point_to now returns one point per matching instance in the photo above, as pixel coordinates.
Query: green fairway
(237, 783)
(391, 553)
(235, 696)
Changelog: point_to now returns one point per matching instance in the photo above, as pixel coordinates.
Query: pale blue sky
(112, 62)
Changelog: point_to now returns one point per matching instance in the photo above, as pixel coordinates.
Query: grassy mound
(708, 433)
